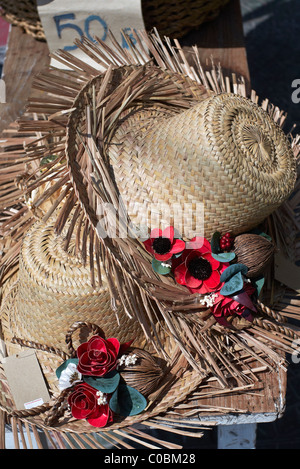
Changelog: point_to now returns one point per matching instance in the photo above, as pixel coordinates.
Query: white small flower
(69, 376)
(209, 300)
(102, 399)
(127, 360)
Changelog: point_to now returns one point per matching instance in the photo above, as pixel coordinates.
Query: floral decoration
(198, 270)
(163, 245)
(226, 241)
(85, 404)
(97, 391)
(239, 304)
(69, 375)
(208, 268)
(98, 356)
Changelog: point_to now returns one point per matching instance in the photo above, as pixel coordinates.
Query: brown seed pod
(145, 374)
(254, 251)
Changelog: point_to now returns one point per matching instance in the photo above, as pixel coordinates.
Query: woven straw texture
(176, 18)
(54, 291)
(173, 18)
(23, 14)
(225, 153)
(178, 380)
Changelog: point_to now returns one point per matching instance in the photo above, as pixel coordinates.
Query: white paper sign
(64, 21)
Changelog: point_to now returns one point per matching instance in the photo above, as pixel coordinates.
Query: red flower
(98, 356)
(198, 270)
(162, 244)
(225, 306)
(84, 405)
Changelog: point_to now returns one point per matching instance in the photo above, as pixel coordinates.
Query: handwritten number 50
(71, 16)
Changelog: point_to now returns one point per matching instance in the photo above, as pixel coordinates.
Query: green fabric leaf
(64, 365)
(232, 270)
(233, 284)
(261, 233)
(224, 256)
(106, 384)
(159, 268)
(259, 283)
(127, 401)
(215, 242)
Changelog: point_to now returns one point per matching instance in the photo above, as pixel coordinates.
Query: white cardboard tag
(64, 21)
(25, 379)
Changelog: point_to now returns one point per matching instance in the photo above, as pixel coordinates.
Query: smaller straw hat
(54, 289)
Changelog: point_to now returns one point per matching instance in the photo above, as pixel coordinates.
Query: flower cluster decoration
(198, 269)
(209, 268)
(97, 391)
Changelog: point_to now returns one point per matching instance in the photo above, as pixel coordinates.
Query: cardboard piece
(65, 21)
(25, 379)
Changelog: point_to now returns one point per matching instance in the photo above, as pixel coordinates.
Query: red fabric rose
(98, 356)
(225, 306)
(162, 244)
(84, 405)
(197, 269)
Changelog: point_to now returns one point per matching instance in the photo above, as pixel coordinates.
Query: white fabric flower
(69, 376)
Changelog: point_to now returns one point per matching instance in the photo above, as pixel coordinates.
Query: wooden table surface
(223, 40)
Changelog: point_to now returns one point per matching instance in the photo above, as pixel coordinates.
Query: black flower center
(161, 245)
(200, 268)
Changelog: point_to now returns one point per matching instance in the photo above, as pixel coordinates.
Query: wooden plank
(264, 401)
(223, 40)
(25, 57)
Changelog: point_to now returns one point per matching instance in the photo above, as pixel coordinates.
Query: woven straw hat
(136, 131)
(225, 152)
(54, 290)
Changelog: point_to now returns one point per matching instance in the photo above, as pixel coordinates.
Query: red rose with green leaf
(98, 356)
(84, 404)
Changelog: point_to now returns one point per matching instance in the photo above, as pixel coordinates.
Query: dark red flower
(98, 356)
(240, 304)
(197, 269)
(83, 402)
(162, 244)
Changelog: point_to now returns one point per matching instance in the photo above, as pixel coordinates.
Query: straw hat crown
(224, 152)
(53, 290)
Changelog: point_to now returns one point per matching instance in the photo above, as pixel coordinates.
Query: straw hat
(131, 131)
(56, 286)
(225, 152)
